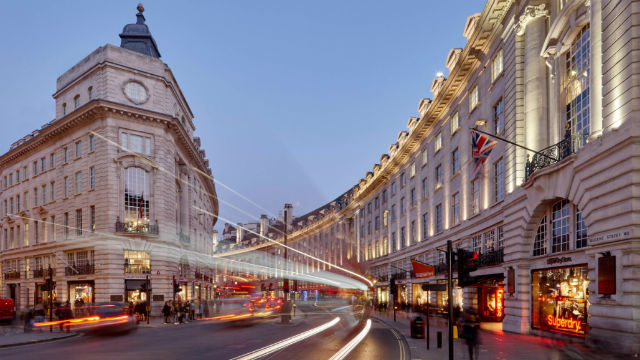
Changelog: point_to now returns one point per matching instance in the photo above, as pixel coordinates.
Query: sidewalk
(493, 344)
(14, 335)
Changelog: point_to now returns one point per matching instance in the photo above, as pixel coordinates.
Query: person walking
(166, 311)
(470, 333)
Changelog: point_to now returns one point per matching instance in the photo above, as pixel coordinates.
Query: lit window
(560, 226)
(454, 123)
(475, 197)
(136, 200)
(438, 144)
(425, 226)
(438, 176)
(473, 98)
(576, 86)
(496, 66)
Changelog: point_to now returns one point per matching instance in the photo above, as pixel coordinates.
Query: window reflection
(136, 200)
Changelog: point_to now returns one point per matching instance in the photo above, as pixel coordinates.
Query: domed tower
(137, 37)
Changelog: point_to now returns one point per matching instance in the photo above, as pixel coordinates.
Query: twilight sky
(294, 100)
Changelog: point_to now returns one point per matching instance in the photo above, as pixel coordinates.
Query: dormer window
(64, 109)
(90, 92)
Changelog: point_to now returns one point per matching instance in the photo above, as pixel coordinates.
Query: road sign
(434, 287)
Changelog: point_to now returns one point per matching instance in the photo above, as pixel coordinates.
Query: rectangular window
(403, 238)
(439, 218)
(496, 66)
(53, 191)
(499, 180)
(369, 228)
(26, 200)
(393, 188)
(91, 143)
(79, 222)
(377, 202)
(52, 160)
(455, 123)
(402, 206)
(498, 117)
(377, 223)
(36, 234)
(369, 208)
(473, 98)
(403, 180)
(44, 230)
(44, 194)
(66, 225)
(385, 245)
(78, 182)
(53, 228)
(413, 169)
(66, 186)
(135, 143)
(425, 156)
(455, 162)
(475, 197)
(438, 144)
(24, 173)
(26, 234)
(413, 197)
(66, 154)
(11, 206)
(455, 209)
(18, 203)
(394, 243)
(425, 188)
(35, 168)
(43, 165)
(35, 196)
(413, 232)
(92, 178)
(385, 218)
(137, 262)
(425, 226)
(17, 176)
(476, 243)
(438, 176)
(11, 179)
(384, 196)
(393, 212)
(76, 102)
(92, 218)
(90, 92)
(79, 149)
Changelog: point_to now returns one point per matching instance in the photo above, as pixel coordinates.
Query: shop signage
(618, 235)
(422, 271)
(499, 300)
(116, 298)
(434, 287)
(607, 275)
(558, 260)
(158, 297)
(564, 324)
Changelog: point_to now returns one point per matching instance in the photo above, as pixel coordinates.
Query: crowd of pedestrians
(179, 312)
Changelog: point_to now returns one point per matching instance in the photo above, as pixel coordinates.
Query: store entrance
(80, 293)
(491, 303)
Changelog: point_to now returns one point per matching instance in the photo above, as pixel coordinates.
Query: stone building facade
(554, 219)
(107, 194)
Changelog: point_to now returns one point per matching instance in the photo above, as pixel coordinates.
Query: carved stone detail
(530, 12)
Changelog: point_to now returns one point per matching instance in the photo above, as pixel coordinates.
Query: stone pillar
(517, 306)
(535, 82)
(595, 80)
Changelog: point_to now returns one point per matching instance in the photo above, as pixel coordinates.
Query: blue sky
(294, 100)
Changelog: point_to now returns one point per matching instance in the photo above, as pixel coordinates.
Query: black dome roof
(137, 37)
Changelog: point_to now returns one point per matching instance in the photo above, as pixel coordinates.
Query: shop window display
(491, 303)
(559, 300)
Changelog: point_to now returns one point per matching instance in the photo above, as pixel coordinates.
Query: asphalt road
(210, 340)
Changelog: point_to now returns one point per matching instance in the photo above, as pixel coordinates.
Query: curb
(404, 338)
(38, 341)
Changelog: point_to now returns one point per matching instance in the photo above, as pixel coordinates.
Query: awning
(489, 279)
(135, 284)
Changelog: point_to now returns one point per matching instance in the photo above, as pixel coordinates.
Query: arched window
(577, 74)
(561, 223)
(136, 199)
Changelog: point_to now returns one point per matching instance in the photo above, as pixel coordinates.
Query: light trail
(290, 248)
(342, 353)
(256, 354)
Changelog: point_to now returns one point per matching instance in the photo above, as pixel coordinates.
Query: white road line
(286, 342)
(400, 344)
(341, 308)
(342, 353)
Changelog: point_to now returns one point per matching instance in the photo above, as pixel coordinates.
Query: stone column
(517, 306)
(532, 26)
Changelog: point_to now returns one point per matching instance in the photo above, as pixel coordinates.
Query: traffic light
(48, 285)
(176, 287)
(393, 286)
(467, 262)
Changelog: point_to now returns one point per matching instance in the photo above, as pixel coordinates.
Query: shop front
(420, 297)
(134, 290)
(80, 292)
(382, 296)
(491, 303)
(442, 297)
(559, 299)
(42, 294)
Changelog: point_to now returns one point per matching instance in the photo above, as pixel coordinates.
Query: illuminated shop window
(136, 199)
(561, 228)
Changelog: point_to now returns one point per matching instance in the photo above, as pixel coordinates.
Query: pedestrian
(470, 333)
(180, 312)
(166, 311)
(28, 321)
(198, 308)
(192, 310)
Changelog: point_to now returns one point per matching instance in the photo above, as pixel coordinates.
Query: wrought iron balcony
(184, 238)
(494, 257)
(84, 269)
(130, 228)
(136, 269)
(555, 153)
(13, 275)
(383, 278)
(38, 273)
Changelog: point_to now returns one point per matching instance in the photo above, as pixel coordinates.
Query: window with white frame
(576, 87)
(498, 174)
(562, 228)
(475, 197)
(560, 218)
(476, 242)
(438, 143)
(489, 241)
(91, 143)
(78, 149)
(425, 156)
(455, 209)
(473, 98)
(496, 66)
(78, 182)
(455, 123)
(136, 199)
(412, 169)
(136, 143)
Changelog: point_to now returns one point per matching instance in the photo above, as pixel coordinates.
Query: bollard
(439, 339)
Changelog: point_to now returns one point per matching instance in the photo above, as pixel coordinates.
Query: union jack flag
(481, 147)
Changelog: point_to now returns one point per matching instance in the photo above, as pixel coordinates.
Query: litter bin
(417, 328)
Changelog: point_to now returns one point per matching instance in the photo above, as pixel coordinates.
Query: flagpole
(512, 143)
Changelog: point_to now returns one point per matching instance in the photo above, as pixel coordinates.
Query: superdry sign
(422, 271)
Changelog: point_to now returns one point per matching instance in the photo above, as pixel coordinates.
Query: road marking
(286, 342)
(342, 353)
(400, 344)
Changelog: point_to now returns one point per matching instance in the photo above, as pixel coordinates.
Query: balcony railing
(38, 273)
(151, 229)
(555, 153)
(83, 269)
(184, 238)
(13, 275)
(137, 269)
(494, 257)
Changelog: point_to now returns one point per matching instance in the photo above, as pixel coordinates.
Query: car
(105, 318)
(7, 310)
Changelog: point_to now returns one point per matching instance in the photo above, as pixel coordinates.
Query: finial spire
(140, 7)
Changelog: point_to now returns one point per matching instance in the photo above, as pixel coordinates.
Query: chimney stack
(239, 233)
(288, 210)
(264, 223)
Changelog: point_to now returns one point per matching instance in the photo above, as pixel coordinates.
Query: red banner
(422, 271)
